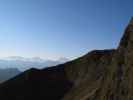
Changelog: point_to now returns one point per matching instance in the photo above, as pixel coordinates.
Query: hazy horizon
(52, 29)
(37, 58)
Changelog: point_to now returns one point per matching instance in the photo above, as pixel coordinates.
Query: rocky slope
(99, 75)
(108, 77)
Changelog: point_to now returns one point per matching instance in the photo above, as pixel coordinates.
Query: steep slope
(99, 75)
(116, 83)
(88, 73)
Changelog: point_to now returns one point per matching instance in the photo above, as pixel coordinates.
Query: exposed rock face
(116, 79)
(99, 75)
(88, 73)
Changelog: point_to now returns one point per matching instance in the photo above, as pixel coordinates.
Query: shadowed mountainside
(99, 75)
(49, 84)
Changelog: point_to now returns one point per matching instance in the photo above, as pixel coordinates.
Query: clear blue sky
(61, 28)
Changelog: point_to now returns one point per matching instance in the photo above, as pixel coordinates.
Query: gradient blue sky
(61, 28)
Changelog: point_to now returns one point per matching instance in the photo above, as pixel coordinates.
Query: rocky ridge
(115, 72)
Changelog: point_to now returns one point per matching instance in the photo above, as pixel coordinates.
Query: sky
(52, 29)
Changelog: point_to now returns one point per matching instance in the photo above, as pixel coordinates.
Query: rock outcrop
(99, 75)
(114, 71)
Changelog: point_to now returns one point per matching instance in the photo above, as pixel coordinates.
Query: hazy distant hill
(8, 73)
(98, 75)
(26, 63)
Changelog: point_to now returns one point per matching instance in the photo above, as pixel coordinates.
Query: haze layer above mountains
(14, 65)
(22, 63)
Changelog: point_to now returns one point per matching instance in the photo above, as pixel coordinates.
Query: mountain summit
(98, 75)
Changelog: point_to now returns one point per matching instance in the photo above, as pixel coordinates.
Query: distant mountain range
(8, 73)
(23, 64)
(14, 65)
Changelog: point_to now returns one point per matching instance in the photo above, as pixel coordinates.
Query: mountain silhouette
(98, 75)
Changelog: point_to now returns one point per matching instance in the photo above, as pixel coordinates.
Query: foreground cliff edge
(99, 75)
